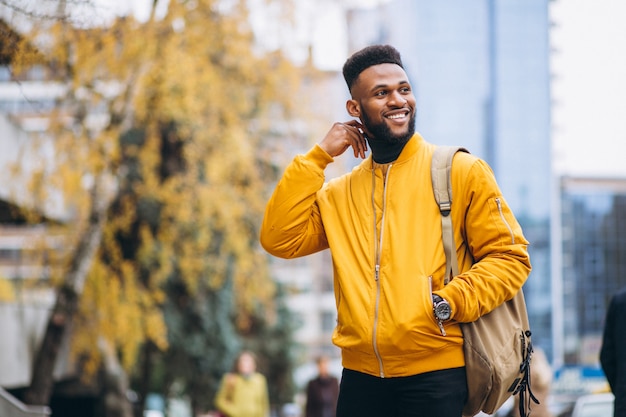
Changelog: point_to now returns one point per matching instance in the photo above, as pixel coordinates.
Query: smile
(397, 115)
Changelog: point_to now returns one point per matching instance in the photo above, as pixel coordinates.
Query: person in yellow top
(383, 228)
(243, 392)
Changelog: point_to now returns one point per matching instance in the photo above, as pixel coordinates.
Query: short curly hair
(367, 57)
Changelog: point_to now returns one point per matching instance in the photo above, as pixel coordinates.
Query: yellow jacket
(243, 396)
(384, 233)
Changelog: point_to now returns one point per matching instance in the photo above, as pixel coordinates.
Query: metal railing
(12, 407)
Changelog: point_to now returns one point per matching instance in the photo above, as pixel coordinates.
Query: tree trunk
(65, 307)
(114, 385)
(147, 363)
(42, 382)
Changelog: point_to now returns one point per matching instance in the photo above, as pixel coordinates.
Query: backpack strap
(442, 188)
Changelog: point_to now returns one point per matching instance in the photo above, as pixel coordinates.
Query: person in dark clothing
(613, 351)
(322, 392)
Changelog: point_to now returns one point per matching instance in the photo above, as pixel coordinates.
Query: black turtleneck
(383, 151)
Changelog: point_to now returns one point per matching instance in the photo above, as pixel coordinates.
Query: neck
(384, 151)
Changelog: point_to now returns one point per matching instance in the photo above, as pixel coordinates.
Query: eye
(380, 93)
(405, 90)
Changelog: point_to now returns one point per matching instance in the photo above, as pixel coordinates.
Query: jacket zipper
(378, 242)
(508, 226)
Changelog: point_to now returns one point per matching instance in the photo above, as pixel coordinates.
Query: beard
(381, 133)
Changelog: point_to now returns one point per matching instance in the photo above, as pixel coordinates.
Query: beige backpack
(497, 346)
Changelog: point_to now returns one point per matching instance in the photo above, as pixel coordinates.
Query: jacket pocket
(504, 219)
(410, 325)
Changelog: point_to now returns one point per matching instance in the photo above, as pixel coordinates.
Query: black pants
(433, 394)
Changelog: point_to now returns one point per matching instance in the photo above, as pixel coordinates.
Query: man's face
(382, 98)
(322, 366)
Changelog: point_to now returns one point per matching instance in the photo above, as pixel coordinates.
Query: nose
(396, 98)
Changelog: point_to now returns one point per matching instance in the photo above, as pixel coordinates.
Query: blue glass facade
(480, 71)
(593, 224)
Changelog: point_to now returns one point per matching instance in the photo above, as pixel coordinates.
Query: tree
(174, 113)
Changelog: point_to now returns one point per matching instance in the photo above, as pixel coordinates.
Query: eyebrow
(377, 86)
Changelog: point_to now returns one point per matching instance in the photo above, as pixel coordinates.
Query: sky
(589, 87)
(588, 43)
(319, 21)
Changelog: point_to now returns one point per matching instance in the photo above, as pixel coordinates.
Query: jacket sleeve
(308, 407)
(224, 396)
(292, 225)
(491, 248)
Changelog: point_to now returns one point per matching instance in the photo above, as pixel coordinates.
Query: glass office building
(593, 236)
(480, 72)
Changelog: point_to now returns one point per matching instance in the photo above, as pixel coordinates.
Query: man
(613, 351)
(322, 392)
(383, 228)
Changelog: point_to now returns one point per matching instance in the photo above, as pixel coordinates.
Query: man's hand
(343, 135)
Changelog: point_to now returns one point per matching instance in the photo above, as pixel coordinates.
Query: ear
(352, 106)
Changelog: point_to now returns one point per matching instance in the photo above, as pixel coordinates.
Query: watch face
(443, 311)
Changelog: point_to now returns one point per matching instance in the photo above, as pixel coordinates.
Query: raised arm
(292, 225)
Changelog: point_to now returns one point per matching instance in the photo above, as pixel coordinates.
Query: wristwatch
(441, 309)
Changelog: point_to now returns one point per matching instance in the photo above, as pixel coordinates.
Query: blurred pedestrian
(322, 392)
(243, 392)
(398, 324)
(613, 351)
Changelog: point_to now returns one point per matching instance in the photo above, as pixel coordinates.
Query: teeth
(395, 116)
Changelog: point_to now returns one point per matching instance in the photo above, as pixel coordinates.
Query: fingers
(341, 136)
(356, 138)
